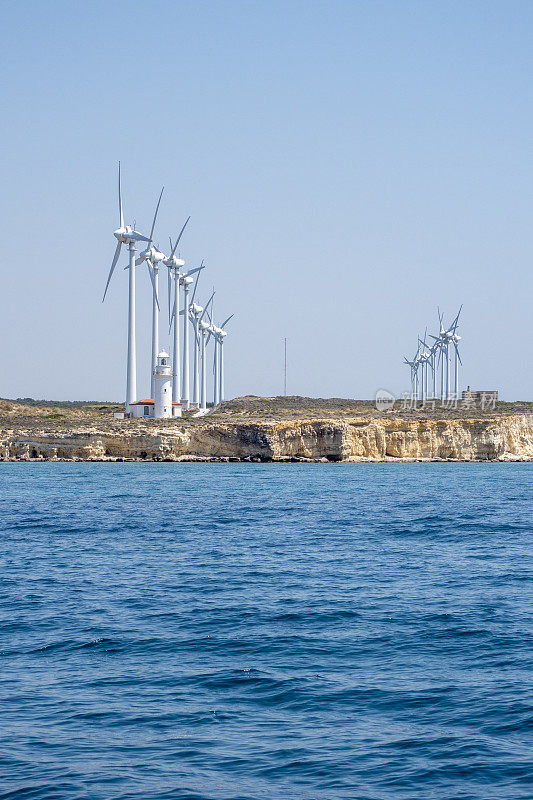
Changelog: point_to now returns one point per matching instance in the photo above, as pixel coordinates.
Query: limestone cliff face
(503, 438)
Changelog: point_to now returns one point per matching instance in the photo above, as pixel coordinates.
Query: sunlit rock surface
(91, 435)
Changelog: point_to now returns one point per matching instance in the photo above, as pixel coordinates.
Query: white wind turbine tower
(440, 345)
(222, 333)
(431, 361)
(219, 335)
(186, 281)
(424, 359)
(125, 234)
(174, 275)
(152, 257)
(413, 366)
(433, 350)
(211, 331)
(195, 311)
(448, 338)
(203, 328)
(455, 339)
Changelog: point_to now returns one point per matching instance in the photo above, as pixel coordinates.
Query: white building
(161, 406)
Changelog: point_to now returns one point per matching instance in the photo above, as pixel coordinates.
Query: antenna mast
(285, 368)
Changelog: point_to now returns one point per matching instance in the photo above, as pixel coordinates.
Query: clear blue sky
(347, 167)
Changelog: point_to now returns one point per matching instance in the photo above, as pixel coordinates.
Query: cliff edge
(28, 433)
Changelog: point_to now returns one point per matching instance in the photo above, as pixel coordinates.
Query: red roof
(149, 402)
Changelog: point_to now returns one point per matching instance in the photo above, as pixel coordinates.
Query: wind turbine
(218, 363)
(455, 339)
(152, 257)
(433, 350)
(424, 359)
(211, 331)
(441, 345)
(203, 328)
(126, 234)
(195, 311)
(446, 338)
(174, 274)
(186, 281)
(413, 365)
(195, 314)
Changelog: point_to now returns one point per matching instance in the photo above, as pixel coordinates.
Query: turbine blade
(206, 306)
(226, 321)
(113, 265)
(151, 274)
(138, 261)
(179, 237)
(120, 199)
(155, 215)
(456, 320)
(195, 286)
(169, 292)
(192, 271)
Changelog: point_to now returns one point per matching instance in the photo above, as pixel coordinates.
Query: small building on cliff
(478, 396)
(146, 408)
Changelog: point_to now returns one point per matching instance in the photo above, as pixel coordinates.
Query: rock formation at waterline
(360, 438)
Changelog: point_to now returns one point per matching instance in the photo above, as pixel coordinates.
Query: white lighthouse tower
(163, 386)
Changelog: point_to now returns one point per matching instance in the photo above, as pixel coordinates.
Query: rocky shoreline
(359, 439)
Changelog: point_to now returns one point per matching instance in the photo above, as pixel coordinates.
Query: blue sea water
(265, 631)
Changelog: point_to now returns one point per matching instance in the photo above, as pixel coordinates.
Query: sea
(266, 631)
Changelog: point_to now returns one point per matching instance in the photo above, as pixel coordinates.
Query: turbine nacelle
(173, 262)
(196, 309)
(151, 254)
(125, 234)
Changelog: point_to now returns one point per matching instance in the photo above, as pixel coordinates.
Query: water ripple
(242, 632)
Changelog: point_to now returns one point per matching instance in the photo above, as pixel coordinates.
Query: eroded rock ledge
(360, 439)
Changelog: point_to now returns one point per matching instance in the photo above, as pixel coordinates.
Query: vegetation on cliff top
(60, 417)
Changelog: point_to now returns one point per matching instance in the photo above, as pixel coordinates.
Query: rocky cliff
(359, 439)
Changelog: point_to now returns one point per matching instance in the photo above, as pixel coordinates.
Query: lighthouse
(162, 386)
(160, 406)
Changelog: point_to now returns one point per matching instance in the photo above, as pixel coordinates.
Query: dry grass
(58, 418)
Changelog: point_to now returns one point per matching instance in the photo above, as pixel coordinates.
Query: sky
(348, 167)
